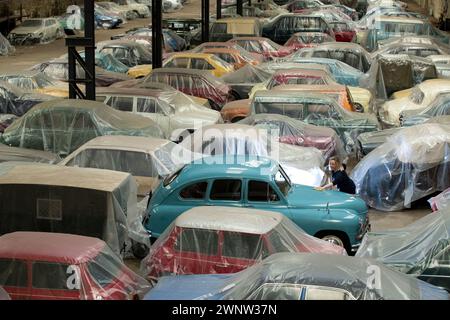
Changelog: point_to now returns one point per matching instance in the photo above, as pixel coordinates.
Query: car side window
(195, 191)
(121, 103)
(201, 64)
(200, 241)
(178, 63)
(243, 246)
(48, 275)
(13, 273)
(149, 105)
(226, 189)
(261, 191)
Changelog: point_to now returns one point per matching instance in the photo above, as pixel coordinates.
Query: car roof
(287, 94)
(230, 166)
(311, 87)
(196, 72)
(133, 91)
(71, 104)
(238, 20)
(231, 219)
(54, 175)
(130, 143)
(398, 19)
(302, 71)
(200, 55)
(47, 246)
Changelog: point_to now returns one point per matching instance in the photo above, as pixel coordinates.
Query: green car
(316, 109)
(61, 126)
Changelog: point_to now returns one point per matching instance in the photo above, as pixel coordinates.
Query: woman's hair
(338, 162)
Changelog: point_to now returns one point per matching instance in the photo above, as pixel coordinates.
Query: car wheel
(139, 250)
(333, 239)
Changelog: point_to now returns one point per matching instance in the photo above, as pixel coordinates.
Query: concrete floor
(26, 57)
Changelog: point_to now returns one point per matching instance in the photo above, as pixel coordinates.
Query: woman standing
(339, 178)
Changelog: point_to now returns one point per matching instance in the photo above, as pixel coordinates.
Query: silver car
(38, 30)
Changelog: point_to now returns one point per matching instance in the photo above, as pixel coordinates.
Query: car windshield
(105, 268)
(221, 62)
(32, 23)
(283, 181)
(416, 95)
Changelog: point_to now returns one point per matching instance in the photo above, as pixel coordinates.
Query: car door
(83, 129)
(263, 195)
(52, 281)
(226, 192)
(14, 278)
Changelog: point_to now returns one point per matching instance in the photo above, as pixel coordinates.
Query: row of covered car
(206, 168)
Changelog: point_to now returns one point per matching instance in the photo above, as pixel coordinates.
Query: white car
(418, 97)
(172, 5)
(142, 10)
(38, 30)
(174, 112)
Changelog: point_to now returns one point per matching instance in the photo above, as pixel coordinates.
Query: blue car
(105, 20)
(300, 276)
(261, 183)
(342, 72)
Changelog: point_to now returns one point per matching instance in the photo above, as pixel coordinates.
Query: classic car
(175, 118)
(281, 28)
(263, 46)
(182, 27)
(36, 30)
(57, 266)
(300, 276)
(416, 98)
(228, 28)
(199, 61)
(61, 126)
(236, 180)
(16, 101)
(343, 32)
(145, 158)
(105, 19)
(303, 165)
(199, 83)
(301, 40)
(6, 120)
(437, 108)
(233, 57)
(53, 202)
(141, 10)
(27, 155)
(442, 63)
(304, 76)
(59, 69)
(421, 249)
(342, 72)
(105, 61)
(124, 12)
(299, 6)
(228, 45)
(37, 82)
(412, 164)
(352, 13)
(317, 109)
(351, 54)
(208, 240)
(415, 49)
(129, 53)
(296, 132)
(243, 80)
(329, 14)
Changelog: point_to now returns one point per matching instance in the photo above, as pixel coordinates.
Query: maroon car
(343, 32)
(263, 46)
(302, 40)
(295, 132)
(198, 83)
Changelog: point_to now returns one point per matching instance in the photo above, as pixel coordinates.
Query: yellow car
(139, 71)
(37, 82)
(200, 61)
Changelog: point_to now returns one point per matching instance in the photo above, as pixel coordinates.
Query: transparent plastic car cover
(61, 126)
(413, 248)
(322, 111)
(416, 49)
(33, 31)
(6, 48)
(246, 74)
(441, 201)
(111, 214)
(248, 237)
(394, 72)
(6, 120)
(4, 295)
(302, 164)
(305, 276)
(67, 267)
(306, 39)
(27, 155)
(410, 165)
(350, 53)
(296, 132)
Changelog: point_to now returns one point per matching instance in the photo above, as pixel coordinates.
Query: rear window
(13, 273)
(200, 241)
(243, 246)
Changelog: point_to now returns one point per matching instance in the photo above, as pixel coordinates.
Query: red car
(194, 82)
(206, 240)
(343, 32)
(55, 266)
(263, 46)
(302, 40)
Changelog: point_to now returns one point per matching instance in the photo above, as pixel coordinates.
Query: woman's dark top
(343, 182)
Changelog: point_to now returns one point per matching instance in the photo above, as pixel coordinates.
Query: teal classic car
(317, 109)
(261, 183)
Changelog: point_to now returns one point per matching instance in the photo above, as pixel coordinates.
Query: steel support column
(239, 5)
(218, 9)
(88, 63)
(205, 20)
(157, 35)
